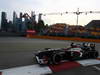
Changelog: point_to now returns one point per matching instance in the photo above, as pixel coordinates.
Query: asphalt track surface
(19, 51)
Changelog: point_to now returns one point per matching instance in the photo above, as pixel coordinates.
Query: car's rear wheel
(93, 54)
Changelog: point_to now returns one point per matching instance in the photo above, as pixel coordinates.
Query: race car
(74, 52)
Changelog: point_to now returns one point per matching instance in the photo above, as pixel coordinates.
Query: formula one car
(74, 52)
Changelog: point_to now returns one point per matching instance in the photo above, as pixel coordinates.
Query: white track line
(97, 68)
(89, 62)
(27, 70)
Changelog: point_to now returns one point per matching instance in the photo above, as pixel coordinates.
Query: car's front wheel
(56, 58)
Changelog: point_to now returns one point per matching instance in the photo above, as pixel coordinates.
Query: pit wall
(64, 38)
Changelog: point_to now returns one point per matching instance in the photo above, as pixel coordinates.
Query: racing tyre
(94, 55)
(56, 59)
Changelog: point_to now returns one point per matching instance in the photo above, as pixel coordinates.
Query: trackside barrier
(64, 38)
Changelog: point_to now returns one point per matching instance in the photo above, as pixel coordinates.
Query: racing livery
(74, 52)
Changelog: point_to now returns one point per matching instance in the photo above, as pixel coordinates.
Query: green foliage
(40, 26)
(30, 26)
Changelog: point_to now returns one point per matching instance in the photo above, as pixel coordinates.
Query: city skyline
(49, 6)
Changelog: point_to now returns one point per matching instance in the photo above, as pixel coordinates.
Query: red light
(31, 31)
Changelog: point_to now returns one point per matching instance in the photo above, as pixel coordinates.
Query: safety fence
(64, 38)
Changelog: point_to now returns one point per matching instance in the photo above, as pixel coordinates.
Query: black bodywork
(74, 52)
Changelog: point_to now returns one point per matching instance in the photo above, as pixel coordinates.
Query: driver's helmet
(85, 44)
(73, 45)
(92, 45)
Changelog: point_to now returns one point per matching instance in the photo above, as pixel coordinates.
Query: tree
(40, 26)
